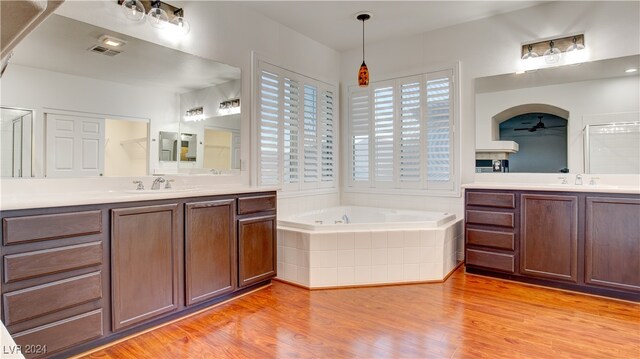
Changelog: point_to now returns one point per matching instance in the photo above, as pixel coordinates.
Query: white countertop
(13, 201)
(553, 187)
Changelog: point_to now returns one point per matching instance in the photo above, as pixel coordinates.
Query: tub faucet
(156, 183)
(579, 180)
(345, 219)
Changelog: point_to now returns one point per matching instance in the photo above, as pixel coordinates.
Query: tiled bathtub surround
(334, 259)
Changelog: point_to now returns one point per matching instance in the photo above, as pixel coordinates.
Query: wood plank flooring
(465, 317)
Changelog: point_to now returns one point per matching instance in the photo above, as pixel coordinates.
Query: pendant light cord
(363, 40)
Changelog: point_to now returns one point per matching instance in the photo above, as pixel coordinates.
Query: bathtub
(365, 218)
(361, 246)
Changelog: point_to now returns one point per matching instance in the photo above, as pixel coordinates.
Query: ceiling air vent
(104, 51)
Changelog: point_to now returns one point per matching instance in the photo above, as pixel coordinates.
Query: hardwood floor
(465, 317)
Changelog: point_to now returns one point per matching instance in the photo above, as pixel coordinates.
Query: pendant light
(363, 73)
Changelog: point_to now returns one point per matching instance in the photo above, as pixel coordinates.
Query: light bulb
(133, 10)
(158, 18)
(181, 25)
(530, 54)
(552, 55)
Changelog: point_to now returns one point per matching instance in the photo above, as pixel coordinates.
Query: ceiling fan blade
(522, 129)
(559, 126)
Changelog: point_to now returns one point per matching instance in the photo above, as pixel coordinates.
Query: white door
(75, 146)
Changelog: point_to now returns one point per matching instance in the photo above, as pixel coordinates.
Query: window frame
(448, 188)
(321, 89)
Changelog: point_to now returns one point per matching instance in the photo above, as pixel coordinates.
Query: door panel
(75, 146)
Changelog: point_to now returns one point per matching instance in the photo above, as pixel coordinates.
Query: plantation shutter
(296, 130)
(311, 161)
(360, 116)
(383, 118)
(291, 132)
(439, 114)
(327, 137)
(269, 107)
(409, 146)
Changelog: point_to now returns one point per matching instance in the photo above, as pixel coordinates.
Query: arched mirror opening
(542, 142)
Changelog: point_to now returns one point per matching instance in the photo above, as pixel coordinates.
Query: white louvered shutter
(269, 108)
(291, 134)
(359, 128)
(327, 138)
(311, 160)
(409, 139)
(439, 117)
(383, 117)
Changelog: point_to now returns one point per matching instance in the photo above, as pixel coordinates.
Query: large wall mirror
(579, 119)
(104, 104)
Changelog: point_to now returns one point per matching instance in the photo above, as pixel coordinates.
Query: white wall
(486, 47)
(47, 91)
(581, 99)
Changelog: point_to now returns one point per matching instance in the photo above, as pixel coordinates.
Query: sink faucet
(156, 183)
(345, 219)
(564, 179)
(579, 180)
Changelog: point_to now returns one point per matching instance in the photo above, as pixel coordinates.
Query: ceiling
(61, 44)
(333, 23)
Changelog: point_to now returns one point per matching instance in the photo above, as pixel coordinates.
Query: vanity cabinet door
(256, 249)
(612, 243)
(549, 240)
(144, 263)
(209, 249)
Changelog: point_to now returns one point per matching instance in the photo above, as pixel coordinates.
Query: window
(401, 133)
(295, 130)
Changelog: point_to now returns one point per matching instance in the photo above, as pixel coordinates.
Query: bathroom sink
(162, 190)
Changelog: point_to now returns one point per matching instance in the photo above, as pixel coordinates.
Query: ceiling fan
(538, 126)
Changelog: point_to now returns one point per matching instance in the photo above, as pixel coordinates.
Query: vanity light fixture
(194, 114)
(229, 107)
(159, 14)
(552, 50)
(363, 72)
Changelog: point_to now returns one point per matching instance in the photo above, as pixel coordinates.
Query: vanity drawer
(49, 261)
(501, 219)
(490, 199)
(255, 204)
(35, 301)
(495, 239)
(50, 226)
(491, 260)
(62, 334)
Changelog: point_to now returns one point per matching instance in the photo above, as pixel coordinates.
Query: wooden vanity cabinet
(612, 243)
(580, 241)
(549, 236)
(54, 277)
(257, 227)
(144, 258)
(490, 231)
(210, 249)
(74, 278)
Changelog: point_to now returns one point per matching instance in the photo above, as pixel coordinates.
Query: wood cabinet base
(557, 285)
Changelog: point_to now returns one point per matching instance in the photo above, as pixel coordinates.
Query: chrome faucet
(156, 183)
(564, 180)
(345, 219)
(578, 180)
